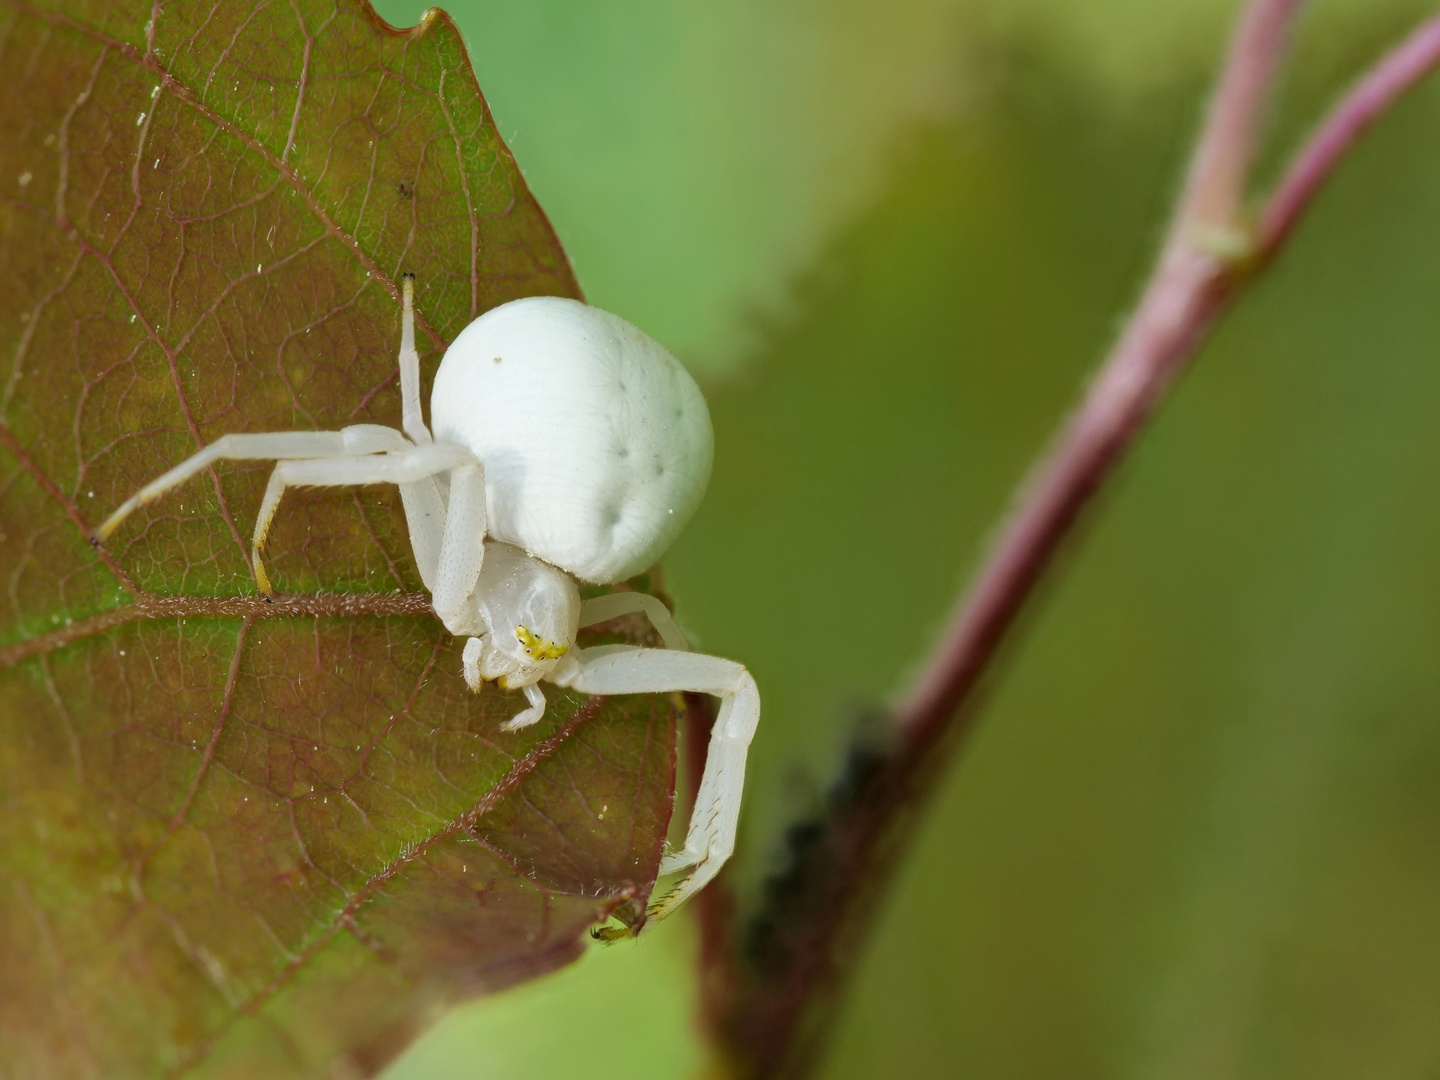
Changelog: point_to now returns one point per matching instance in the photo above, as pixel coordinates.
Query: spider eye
(537, 647)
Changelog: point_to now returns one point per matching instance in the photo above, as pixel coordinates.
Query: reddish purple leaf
(243, 838)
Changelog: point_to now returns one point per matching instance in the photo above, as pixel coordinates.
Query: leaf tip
(429, 19)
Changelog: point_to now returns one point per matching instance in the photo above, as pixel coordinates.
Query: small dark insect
(406, 189)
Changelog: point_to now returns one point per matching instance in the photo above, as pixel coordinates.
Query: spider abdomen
(596, 442)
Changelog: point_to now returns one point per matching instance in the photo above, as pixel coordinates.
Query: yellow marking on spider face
(537, 648)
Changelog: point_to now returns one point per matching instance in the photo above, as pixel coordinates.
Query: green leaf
(236, 837)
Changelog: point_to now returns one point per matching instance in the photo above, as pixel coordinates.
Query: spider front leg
(449, 564)
(462, 548)
(412, 420)
(626, 669)
(267, 446)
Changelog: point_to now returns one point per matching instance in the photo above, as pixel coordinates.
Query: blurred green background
(1198, 834)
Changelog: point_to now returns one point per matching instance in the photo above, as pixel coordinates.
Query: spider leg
(613, 605)
(412, 419)
(536, 697)
(267, 446)
(462, 548)
(410, 466)
(470, 659)
(625, 669)
(425, 517)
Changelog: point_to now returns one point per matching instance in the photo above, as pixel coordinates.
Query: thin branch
(1189, 288)
(1177, 310)
(797, 949)
(1220, 171)
(1398, 72)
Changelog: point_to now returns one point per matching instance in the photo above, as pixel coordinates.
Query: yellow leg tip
(656, 912)
(262, 579)
(611, 934)
(112, 523)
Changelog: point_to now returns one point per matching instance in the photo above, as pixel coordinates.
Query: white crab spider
(567, 444)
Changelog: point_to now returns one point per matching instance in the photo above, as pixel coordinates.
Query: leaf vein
(409, 855)
(150, 606)
(72, 511)
(185, 94)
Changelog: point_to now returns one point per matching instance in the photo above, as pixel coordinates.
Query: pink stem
(1187, 291)
(773, 1019)
(1367, 101)
(1220, 171)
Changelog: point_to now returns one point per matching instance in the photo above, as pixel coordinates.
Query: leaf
(240, 838)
